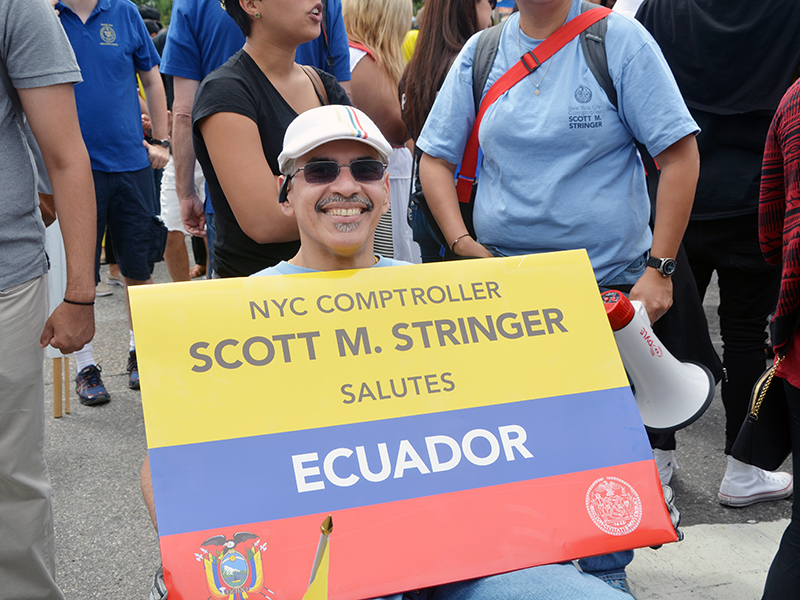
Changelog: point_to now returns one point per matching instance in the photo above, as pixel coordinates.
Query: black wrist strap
(78, 303)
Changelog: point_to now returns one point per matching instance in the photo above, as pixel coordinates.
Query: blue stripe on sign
(254, 479)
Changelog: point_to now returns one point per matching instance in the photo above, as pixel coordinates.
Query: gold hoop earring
(257, 15)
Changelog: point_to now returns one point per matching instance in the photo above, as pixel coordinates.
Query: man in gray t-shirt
(41, 71)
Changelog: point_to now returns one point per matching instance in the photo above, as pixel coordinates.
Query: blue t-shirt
(110, 47)
(315, 52)
(560, 170)
(200, 38)
(285, 268)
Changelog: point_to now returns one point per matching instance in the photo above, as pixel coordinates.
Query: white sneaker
(745, 484)
(102, 290)
(111, 280)
(665, 461)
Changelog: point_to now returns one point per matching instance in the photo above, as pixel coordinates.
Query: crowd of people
(646, 148)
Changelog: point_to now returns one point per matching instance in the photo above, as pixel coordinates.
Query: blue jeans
(629, 276)
(430, 248)
(549, 582)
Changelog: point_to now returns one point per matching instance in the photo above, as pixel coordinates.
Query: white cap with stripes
(326, 124)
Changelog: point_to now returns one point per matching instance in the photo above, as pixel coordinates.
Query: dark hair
(238, 14)
(153, 27)
(149, 12)
(446, 27)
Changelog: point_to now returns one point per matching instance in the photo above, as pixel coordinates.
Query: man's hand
(655, 292)
(193, 215)
(156, 104)
(158, 155)
(147, 126)
(69, 328)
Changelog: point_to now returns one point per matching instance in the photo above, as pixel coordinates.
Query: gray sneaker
(102, 290)
(159, 591)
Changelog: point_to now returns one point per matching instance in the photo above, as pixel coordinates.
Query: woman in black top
(240, 115)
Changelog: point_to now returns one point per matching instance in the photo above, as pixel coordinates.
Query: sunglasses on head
(363, 170)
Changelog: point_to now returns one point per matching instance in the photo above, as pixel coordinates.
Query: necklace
(549, 62)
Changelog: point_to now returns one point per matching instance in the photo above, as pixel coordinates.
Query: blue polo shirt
(110, 47)
(200, 38)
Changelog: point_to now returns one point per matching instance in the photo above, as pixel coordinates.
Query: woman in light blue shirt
(560, 169)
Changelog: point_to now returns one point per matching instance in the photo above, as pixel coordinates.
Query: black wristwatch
(665, 266)
(154, 142)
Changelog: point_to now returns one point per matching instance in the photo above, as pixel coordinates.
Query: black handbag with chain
(764, 439)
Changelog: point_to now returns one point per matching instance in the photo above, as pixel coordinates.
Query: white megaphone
(670, 394)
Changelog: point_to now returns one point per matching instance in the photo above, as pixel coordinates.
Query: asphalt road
(106, 545)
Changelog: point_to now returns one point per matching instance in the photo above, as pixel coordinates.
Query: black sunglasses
(363, 170)
(493, 4)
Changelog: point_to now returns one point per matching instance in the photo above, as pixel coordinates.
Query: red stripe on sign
(385, 548)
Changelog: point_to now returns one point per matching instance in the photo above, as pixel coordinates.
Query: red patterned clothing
(779, 226)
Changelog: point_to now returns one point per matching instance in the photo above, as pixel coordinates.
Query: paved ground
(107, 548)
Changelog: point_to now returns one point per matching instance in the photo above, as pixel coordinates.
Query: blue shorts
(127, 202)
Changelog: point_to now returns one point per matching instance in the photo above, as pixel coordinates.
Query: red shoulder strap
(527, 64)
(359, 46)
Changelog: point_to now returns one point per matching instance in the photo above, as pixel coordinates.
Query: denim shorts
(127, 203)
(629, 275)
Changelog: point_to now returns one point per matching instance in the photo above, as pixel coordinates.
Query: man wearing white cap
(335, 184)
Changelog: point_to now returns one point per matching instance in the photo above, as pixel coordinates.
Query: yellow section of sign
(233, 358)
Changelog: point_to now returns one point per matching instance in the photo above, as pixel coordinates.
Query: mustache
(339, 199)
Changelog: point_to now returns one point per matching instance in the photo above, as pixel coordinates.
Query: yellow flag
(318, 585)
(318, 589)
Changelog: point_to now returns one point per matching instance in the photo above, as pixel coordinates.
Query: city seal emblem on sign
(614, 506)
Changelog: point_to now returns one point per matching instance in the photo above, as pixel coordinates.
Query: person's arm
(146, 484)
(157, 109)
(772, 196)
(680, 167)
(53, 119)
(192, 213)
(436, 176)
(234, 147)
(374, 93)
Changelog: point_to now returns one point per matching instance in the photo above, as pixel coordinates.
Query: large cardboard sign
(456, 420)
